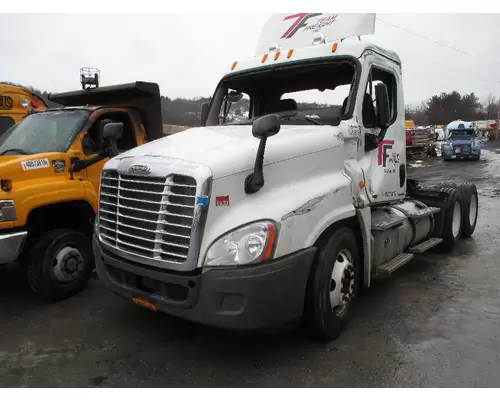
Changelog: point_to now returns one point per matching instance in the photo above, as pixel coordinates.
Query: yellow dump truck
(50, 170)
(15, 103)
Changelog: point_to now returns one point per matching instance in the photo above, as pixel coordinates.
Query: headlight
(7, 211)
(246, 245)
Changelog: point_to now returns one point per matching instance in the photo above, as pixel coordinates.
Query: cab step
(384, 271)
(424, 246)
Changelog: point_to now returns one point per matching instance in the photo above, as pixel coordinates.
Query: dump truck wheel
(470, 208)
(61, 264)
(333, 286)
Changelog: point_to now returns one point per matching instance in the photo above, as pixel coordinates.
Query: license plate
(144, 303)
(6, 103)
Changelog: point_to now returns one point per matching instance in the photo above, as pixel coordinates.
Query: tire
(452, 229)
(447, 184)
(339, 256)
(470, 208)
(61, 264)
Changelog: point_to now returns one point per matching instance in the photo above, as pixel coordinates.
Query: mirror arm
(255, 181)
(79, 165)
(113, 150)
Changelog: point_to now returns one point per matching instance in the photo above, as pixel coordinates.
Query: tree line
(446, 107)
(438, 110)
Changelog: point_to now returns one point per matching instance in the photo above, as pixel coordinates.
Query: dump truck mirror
(204, 114)
(113, 131)
(382, 99)
(266, 126)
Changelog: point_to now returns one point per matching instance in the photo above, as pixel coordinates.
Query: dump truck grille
(148, 217)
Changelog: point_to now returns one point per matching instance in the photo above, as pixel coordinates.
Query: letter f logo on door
(300, 22)
(383, 147)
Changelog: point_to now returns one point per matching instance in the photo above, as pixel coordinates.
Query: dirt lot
(435, 323)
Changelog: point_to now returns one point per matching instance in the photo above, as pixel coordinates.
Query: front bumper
(11, 245)
(462, 156)
(240, 298)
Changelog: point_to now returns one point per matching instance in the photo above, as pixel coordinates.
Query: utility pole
(498, 119)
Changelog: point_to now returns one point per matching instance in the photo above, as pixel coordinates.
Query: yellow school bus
(15, 103)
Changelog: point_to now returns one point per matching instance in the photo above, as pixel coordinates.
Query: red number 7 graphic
(300, 22)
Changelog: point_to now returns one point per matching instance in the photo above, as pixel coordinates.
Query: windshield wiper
(302, 117)
(19, 151)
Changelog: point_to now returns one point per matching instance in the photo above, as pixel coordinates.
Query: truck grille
(148, 216)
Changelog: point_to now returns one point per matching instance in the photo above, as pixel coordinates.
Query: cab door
(93, 142)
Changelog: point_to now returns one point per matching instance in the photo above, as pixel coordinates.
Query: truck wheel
(470, 207)
(61, 264)
(333, 285)
(452, 221)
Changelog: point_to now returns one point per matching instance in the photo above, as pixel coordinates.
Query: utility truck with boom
(285, 214)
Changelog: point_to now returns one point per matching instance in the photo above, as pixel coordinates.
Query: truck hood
(11, 166)
(229, 150)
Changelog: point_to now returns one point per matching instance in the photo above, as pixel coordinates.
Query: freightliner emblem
(140, 169)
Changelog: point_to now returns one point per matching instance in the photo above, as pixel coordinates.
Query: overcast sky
(187, 54)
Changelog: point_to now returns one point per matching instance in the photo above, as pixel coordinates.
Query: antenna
(89, 77)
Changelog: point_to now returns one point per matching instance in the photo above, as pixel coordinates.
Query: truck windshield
(465, 133)
(300, 94)
(46, 132)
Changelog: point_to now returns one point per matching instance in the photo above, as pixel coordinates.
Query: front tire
(61, 264)
(333, 285)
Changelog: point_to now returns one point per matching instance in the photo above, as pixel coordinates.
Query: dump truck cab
(16, 102)
(50, 168)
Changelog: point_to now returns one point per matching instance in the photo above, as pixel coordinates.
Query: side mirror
(262, 128)
(266, 126)
(234, 97)
(204, 113)
(113, 131)
(383, 107)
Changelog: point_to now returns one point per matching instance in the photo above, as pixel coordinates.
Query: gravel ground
(434, 323)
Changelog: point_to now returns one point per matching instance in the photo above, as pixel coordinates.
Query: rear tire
(447, 184)
(61, 264)
(452, 221)
(470, 208)
(333, 285)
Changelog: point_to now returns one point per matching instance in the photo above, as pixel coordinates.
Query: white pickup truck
(286, 213)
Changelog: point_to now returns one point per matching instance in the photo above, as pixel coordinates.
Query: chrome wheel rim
(342, 282)
(473, 210)
(457, 219)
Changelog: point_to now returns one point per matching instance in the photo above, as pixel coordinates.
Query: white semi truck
(286, 214)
